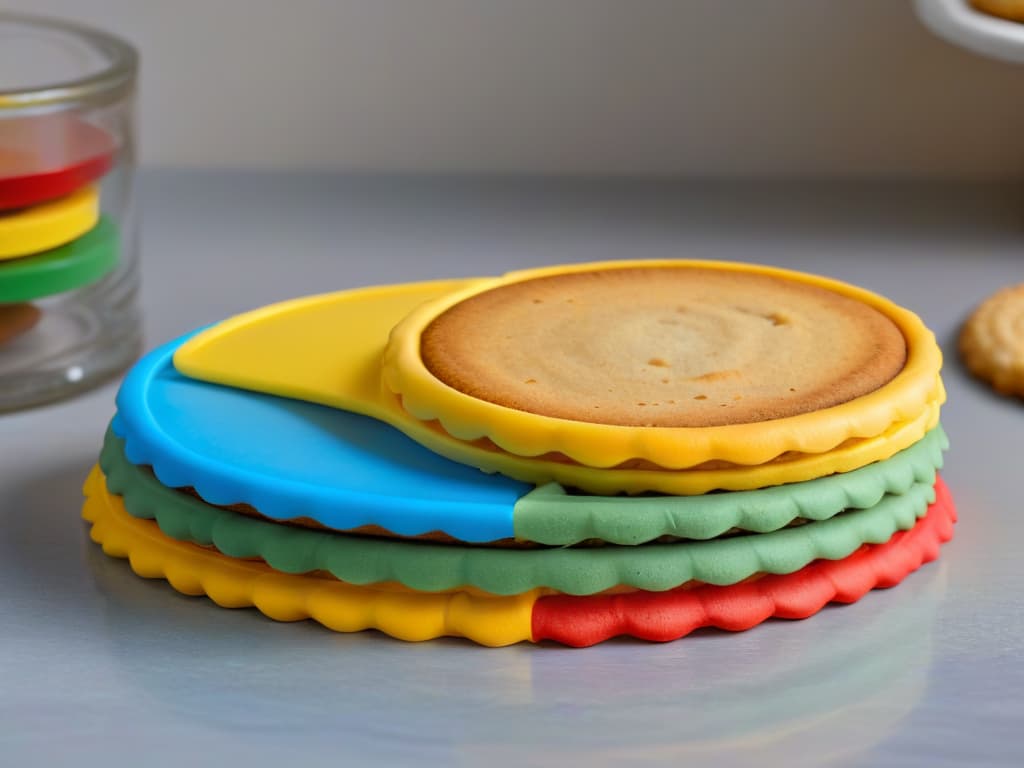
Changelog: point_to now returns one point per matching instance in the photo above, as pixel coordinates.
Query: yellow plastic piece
(48, 225)
(232, 583)
(469, 418)
(327, 349)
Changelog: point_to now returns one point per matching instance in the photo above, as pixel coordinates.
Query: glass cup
(68, 233)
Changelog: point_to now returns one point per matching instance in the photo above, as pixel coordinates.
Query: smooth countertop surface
(99, 667)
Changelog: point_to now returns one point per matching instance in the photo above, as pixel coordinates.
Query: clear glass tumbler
(68, 234)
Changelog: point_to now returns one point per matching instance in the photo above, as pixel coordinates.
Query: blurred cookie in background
(992, 341)
(1005, 9)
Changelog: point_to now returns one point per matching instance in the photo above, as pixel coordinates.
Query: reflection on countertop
(793, 692)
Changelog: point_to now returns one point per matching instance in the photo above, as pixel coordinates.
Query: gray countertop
(98, 667)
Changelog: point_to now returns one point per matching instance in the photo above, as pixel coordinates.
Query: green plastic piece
(79, 263)
(430, 567)
(549, 515)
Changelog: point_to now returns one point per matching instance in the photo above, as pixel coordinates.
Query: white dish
(959, 23)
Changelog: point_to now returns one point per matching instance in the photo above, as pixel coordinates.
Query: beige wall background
(695, 87)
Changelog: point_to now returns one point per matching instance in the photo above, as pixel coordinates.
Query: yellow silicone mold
(327, 349)
(904, 399)
(48, 225)
(232, 583)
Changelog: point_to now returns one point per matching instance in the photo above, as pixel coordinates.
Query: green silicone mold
(81, 262)
(435, 567)
(548, 515)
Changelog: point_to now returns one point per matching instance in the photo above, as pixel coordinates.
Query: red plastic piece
(663, 616)
(43, 158)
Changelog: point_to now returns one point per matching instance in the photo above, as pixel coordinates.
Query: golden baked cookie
(1005, 9)
(663, 347)
(510, 436)
(992, 341)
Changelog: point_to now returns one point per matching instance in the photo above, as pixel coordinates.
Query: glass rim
(112, 79)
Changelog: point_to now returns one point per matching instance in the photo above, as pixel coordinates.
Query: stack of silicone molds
(52, 236)
(290, 459)
(67, 250)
